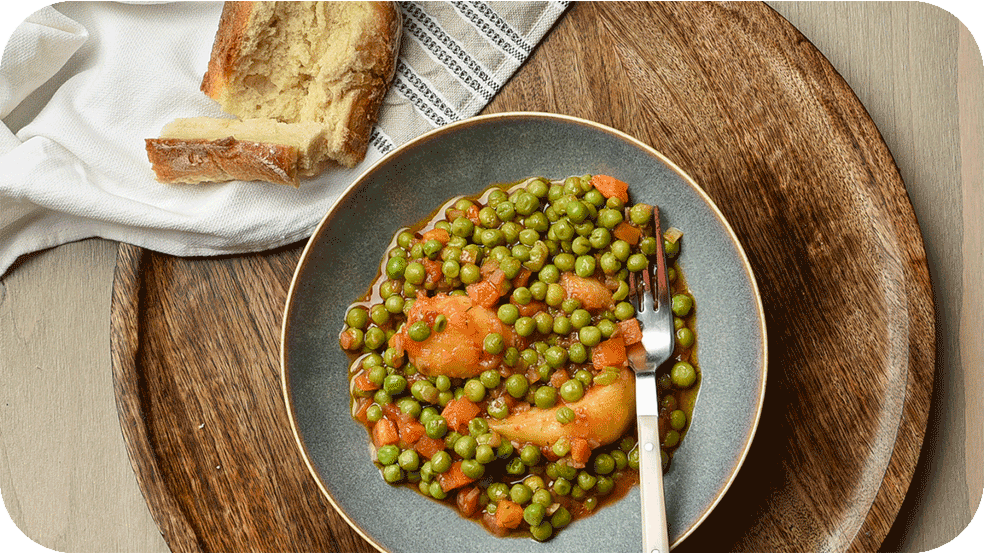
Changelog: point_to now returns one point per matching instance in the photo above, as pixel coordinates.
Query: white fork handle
(654, 532)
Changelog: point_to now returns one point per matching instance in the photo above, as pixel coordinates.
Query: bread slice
(206, 149)
(324, 62)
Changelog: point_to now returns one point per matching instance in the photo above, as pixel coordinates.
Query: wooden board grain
(746, 105)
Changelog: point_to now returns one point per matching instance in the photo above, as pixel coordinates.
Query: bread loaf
(286, 69)
(326, 62)
(204, 149)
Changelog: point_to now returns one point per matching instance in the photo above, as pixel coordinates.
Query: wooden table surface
(65, 476)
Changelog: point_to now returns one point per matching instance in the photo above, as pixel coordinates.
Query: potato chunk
(592, 293)
(604, 413)
(458, 350)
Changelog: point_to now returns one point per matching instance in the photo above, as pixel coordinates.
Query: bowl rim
(519, 115)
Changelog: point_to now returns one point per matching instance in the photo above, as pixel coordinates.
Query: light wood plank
(65, 474)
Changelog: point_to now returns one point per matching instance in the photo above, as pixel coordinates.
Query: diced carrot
(609, 353)
(531, 309)
(508, 514)
(610, 186)
(627, 232)
(411, 430)
(558, 378)
(347, 340)
(459, 412)
(432, 268)
(484, 293)
(631, 331)
(438, 234)
(361, 406)
(427, 446)
(467, 500)
(454, 478)
(580, 452)
(472, 214)
(363, 383)
(384, 432)
(522, 278)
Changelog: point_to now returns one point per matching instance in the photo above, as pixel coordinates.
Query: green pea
(409, 406)
(542, 497)
(490, 378)
(382, 397)
(621, 460)
(585, 480)
(517, 385)
(647, 245)
(577, 353)
(525, 326)
(498, 408)
(388, 454)
(424, 391)
(538, 289)
(580, 318)
(682, 304)
(409, 460)
(584, 376)
(466, 446)
(678, 419)
(474, 390)
(419, 331)
(526, 203)
(607, 328)
(510, 266)
(671, 439)
(477, 427)
(415, 273)
(678, 323)
(493, 343)
(506, 211)
(508, 313)
(393, 473)
(511, 357)
(589, 335)
(395, 267)
(436, 427)
(581, 246)
(609, 218)
(544, 322)
(683, 374)
(621, 292)
(538, 222)
(564, 261)
(393, 304)
(604, 464)
(549, 274)
(534, 513)
(546, 397)
(470, 273)
(522, 296)
(357, 338)
(576, 211)
(432, 248)
(530, 455)
(636, 262)
(671, 249)
(462, 227)
(564, 416)
(604, 485)
(572, 390)
(374, 413)
(436, 491)
(668, 402)
(394, 384)
(685, 337)
(440, 462)
(357, 318)
(442, 382)
(520, 493)
(640, 214)
(561, 518)
(505, 450)
(584, 266)
(624, 310)
(472, 469)
(556, 356)
(562, 325)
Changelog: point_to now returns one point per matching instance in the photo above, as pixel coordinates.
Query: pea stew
(489, 356)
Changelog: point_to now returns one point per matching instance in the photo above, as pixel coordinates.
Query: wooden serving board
(743, 103)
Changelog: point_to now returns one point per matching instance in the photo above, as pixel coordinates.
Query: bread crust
(227, 159)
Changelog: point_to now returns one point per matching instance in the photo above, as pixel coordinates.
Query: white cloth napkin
(83, 84)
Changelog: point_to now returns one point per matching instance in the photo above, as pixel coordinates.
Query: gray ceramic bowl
(343, 257)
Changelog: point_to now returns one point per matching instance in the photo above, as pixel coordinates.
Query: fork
(655, 317)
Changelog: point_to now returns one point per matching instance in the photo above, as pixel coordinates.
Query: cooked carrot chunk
(454, 478)
(631, 331)
(384, 432)
(508, 514)
(459, 412)
(609, 353)
(611, 187)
